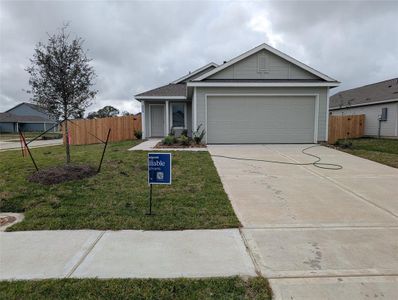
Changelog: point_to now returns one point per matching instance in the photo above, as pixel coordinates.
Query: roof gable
(196, 73)
(275, 63)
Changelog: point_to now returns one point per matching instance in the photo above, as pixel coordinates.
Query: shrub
(169, 140)
(184, 132)
(199, 134)
(172, 132)
(138, 134)
(184, 140)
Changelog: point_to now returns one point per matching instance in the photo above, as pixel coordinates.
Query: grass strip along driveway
(384, 151)
(212, 288)
(117, 197)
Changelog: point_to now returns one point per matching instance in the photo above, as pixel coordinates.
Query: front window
(178, 115)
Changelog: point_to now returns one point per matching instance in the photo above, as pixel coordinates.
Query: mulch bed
(63, 173)
(161, 145)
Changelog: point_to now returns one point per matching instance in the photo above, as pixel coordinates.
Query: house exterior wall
(32, 127)
(388, 128)
(322, 93)
(7, 127)
(276, 68)
(147, 115)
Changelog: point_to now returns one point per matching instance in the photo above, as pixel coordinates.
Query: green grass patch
(116, 198)
(384, 151)
(212, 288)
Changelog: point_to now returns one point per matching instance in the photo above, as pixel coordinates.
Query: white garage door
(260, 119)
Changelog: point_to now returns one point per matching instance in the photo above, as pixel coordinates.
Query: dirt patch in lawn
(63, 173)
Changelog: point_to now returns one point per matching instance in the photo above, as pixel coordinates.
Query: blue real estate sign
(159, 168)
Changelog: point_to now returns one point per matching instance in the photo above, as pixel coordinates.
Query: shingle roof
(376, 92)
(33, 106)
(11, 118)
(179, 89)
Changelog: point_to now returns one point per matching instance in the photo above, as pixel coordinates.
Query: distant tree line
(106, 112)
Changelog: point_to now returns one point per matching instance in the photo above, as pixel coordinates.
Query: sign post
(159, 172)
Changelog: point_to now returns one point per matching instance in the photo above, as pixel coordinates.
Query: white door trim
(316, 110)
(150, 121)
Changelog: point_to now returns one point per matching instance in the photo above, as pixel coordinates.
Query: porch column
(143, 119)
(167, 118)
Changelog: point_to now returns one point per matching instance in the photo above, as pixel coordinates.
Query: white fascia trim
(212, 64)
(194, 109)
(327, 115)
(144, 134)
(263, 84)
(316, 110)
(364, 104)
(160, 97)
(272, 50)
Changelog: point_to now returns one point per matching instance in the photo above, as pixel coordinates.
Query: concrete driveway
(316, 234)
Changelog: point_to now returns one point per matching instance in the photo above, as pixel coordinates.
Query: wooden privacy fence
(83, 132)
(341, 127)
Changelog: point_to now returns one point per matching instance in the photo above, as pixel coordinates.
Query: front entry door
(157, 120)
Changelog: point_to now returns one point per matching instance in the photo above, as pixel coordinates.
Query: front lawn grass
(117, 197)
(212, 288)
(384, 151)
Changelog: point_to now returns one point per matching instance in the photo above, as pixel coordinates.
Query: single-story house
(26, 117)
(260, 96)
(377, 101)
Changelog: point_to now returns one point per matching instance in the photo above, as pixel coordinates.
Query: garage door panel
(260, 119)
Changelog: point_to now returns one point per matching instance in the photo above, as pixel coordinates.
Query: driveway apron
(315, 233)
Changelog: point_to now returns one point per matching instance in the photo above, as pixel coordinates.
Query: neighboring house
(371, 100)
(26, 117)
(261, 96)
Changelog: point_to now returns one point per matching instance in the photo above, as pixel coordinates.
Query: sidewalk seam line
(87, 252)
(257, 268)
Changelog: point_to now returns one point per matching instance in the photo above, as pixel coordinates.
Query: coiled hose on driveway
(317, 163)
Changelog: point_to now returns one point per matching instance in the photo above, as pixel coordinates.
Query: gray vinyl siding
(33, 127)
(389, 128)
(321, 91)
(189, 115)
(276, 68)
(7, 127)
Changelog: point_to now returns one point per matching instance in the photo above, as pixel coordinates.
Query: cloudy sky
(139, 45)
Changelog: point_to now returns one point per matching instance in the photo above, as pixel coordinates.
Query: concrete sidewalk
(123, 254)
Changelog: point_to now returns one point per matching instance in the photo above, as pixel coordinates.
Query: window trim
(185, 115)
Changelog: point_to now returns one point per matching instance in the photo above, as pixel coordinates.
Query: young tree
(61, 78)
